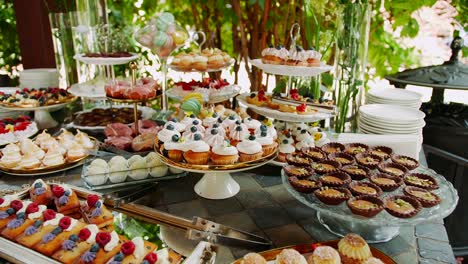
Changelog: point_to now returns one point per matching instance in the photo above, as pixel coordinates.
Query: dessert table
(264, 207)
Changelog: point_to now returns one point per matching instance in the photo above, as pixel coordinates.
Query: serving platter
(105, 60)
(224, 66)
(211, 98)
(287, 70)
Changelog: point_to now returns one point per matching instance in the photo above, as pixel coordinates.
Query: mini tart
(368, 160)
(421, 180)
(381, 151)
(393, 169)
(299, 172)
(365, 205)
(364, 188)
(386, 182)
(333, 147)
(335, 179)
(326, 166)
(332, 195)
(343, 158)
(355, 148)
(304, 185)
(405, 161)
(357, 172)
(297, 160)
(425, 197)
(315, 153)
(402, 206)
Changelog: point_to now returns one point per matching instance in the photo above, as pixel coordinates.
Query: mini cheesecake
(364, 188)
(402, 206)
(365, 205)
(405, 161)
(381, 151)
(421, 180)
(335, 179)
(386, 182)
(333, 147)
(332, 195)
(326, 166)
(357, 172)
(368, 160)
(425, 197)
(315, 153)
(343, 158)
(299, 172)
(356, 148)
(297, 160)
(304, 185)
(393, 169)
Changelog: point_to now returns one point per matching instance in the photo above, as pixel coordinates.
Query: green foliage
(9, 45)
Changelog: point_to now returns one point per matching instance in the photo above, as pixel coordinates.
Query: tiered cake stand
(339, 219)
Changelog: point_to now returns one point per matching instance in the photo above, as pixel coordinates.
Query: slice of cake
(95, 212)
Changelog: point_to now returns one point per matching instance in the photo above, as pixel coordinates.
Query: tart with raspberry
(368, 160)
(10, 212)
(298, 160)
(332, 195)
(358, 188)
(402, 206)
(386, 182)
(13, 130)
(107, 245)
(393, 169)
(343, 158)
(405, 161)
(299, 172)
(304, 185)
(315, 153)
(421, 180)
(356, 148)
(95, 212)
(357, 172)
(335, 179)
(134, 251)
(381, 151)
(425, 197)
(66, 201)
(365, 205)
(326, 166)
(333, 147)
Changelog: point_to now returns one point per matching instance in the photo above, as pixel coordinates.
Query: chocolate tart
(386, 182)
(421, 180)
(425, 197)
(402, 206)
(357, 172)
(332, 195)
(355, 148)
(326, 166)
(365, 205)
(304, 185)
(393, 169)
(343, 158)
(298, 160)
(381, 151)
(368, 160)
(333, 147)
(299, 172)
(364, 188)
(335, 179)
(315, 154)
(405, 161)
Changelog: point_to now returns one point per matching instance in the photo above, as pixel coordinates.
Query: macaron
(164, 20)
(160, 39)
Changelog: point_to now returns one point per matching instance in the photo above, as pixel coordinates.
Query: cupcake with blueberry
(210, 120)
(166, 134)
(267, 142)
(238, 134)
(197, 151)
(224, 154)
(249, 149)
(252, 124)
(174, 149)
(214, 137)
(286, 147)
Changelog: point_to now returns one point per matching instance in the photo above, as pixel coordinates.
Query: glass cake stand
(383, 227)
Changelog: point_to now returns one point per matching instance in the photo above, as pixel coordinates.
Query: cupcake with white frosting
(285, 149)
(249, 149)
(237, 134)
(197, 151)
(224, 154)
(174, 149)
(214, 137)
(166, 134)
(267, 142)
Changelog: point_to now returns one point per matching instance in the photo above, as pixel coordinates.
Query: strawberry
(295, 96)
(102, 238)
(92, 199)
(84, 234)
(32, 208)
(65, 222)
(128, 248)
(301, 108)
(58, 191)
(16, 205)
(151, 257)
(48, 214)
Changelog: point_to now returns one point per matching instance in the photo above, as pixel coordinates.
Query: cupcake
(166, 134)
(288, 256)
(224, 154)
(220, 130)
(188, 119)
(286, 148)
(365, 205)
(179, 127)
(249, 149)
(267, 142)
(118, 169)
(198, 124)
(226, 123)
(302, 135)
(236, 124)
(286, 135)
(402, 206)
(197, 151)
(251, 124)
(214, 138)
(325, 255)
(237, 134)
(174, 149)
(137, 168)
(353, 249)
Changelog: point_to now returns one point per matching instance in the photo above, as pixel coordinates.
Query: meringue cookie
(53, 158)
(84, 140)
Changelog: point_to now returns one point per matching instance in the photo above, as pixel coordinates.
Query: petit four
(402, 206)
(324, 255)
(386, 182)
(95, 212)
(332, 195)
(66, 201)
(290, 255)
(316, 154)
(425, 197)
(421, 180)
(298, 160)
(405, 161)
(365, 205)
(40, 192)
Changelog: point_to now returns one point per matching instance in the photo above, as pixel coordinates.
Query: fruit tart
(356, 148)
(364, 188)
(421, 180)
(353, 249)
(365, 205)
(107, 245)
(333, 147)
(425, 197)
(41, 193)
(393, 169)
(386, 182)
(332, 195)
(9, 213)
(343, 158)
(335, 179)
(298, 160)
(134, 251)
(95, 212)
(381, 151)
(34, 234)
(66, 201)
(315, 153)
(52, 241)
(368, 160)
(25, 217)
(405, 161)
(357, 172)
(304, 185)
(299, 172)
(76, 245)
(326, 166)
(402, 206)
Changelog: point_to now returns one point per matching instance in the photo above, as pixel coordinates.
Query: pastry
(53, 158)
(298, 160)
(425, 197)
(368, 160)
(249, 149)
(333, 147)
(214, 137)
(107, 245)
(353, 249)
(25, 217)
(298, 171)
(272, 55)
(316, 154)
(364, 188)
(357, 172)
(9, 213)
(307, 142)
(158, 171)
(326, 166)
(6, 200)
(324, 255)
(386, 182)
(381, 151)
(84, 140)
(251, 124)
(343, 158)
(76, 245)
(393, 169)
(197, 151)
(66, 201)
(253, 258)
(405, 161)
(421, 180)
(76, 152)
(224, 154)
(174, 149)
(34, 233)
(356, 148)
(97, 172)
(11, 159)
(286, 148)
(365, 205)
(304, 185)
(137, 168)
(290, 256)
(402, 206)
(95, 212)
(29, 162)
(134, 251)
(118, 169)
(165, 135)
(40, 192)
(238, 133)
(267, 142)
(335, 179)
(332, 195)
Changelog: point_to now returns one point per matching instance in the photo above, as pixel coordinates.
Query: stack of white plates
(394, 96)
(385, 119)
(39, 78)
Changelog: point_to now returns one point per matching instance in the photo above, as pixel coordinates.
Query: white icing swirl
(197, 146)
(10, 148)
(264, 141)
(37, 214)
(73, 223)
(54, 221)
(214, 140)
(286, 148)
(165, 135)
(23, 209)
(113, 242)
(139, 247)
(301, 136)
(171, 145)
(225, 149)
(249, 147)
(238, 135)
(306, 143)
(251, 123)
(93, 229)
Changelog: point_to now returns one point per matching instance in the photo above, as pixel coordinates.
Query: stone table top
(264, 207)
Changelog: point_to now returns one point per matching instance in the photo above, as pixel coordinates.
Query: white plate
(89, 89)
(287, 70)
(395, 94)
(105, 61)
(382, 101)
(396, 113)
(412, 105)
(391, 125)
(370, 127)
(392, 122)
(213, 98)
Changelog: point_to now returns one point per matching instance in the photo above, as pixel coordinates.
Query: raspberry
(128, 248)
(151, 257)
(58, 191)
(48, 214)
(92, 199)
(84, 234)
(65, 222)
(32, 208)
(16, 205)
(102, 238)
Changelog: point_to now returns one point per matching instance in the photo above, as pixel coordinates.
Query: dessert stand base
(44, 119)
(217, 185)
(372, 234)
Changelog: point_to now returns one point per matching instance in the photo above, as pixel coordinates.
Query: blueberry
(288, 135)
(238, 128)
(303, 131)
(263, 134)
(195, 122)
(238, 122)
(67, 193)
(251, 137)
(311, 48)
(252, 95)
(21, 215)
(165, 153)
(298, 128)
(25, 96)
(279, 47)
(220, 120)
(37, 185)
(10, 211)
(214, 131)
(74, 238)
(285, 141)
(215, 126)
(94, 248)
(119, 257)
(145, 262)
(231, 117)
(33, 97)
(249, 118)
(97, 204)
(193, 129)
(173, 120)
(321, 100)
(175, 138)
(299, 48)
(38, 223)
(309, 100)
(263, 128)
(170, 127)
(192, 116)
(270, 45)
(215, 115)
(197, 137)
(57, 230)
